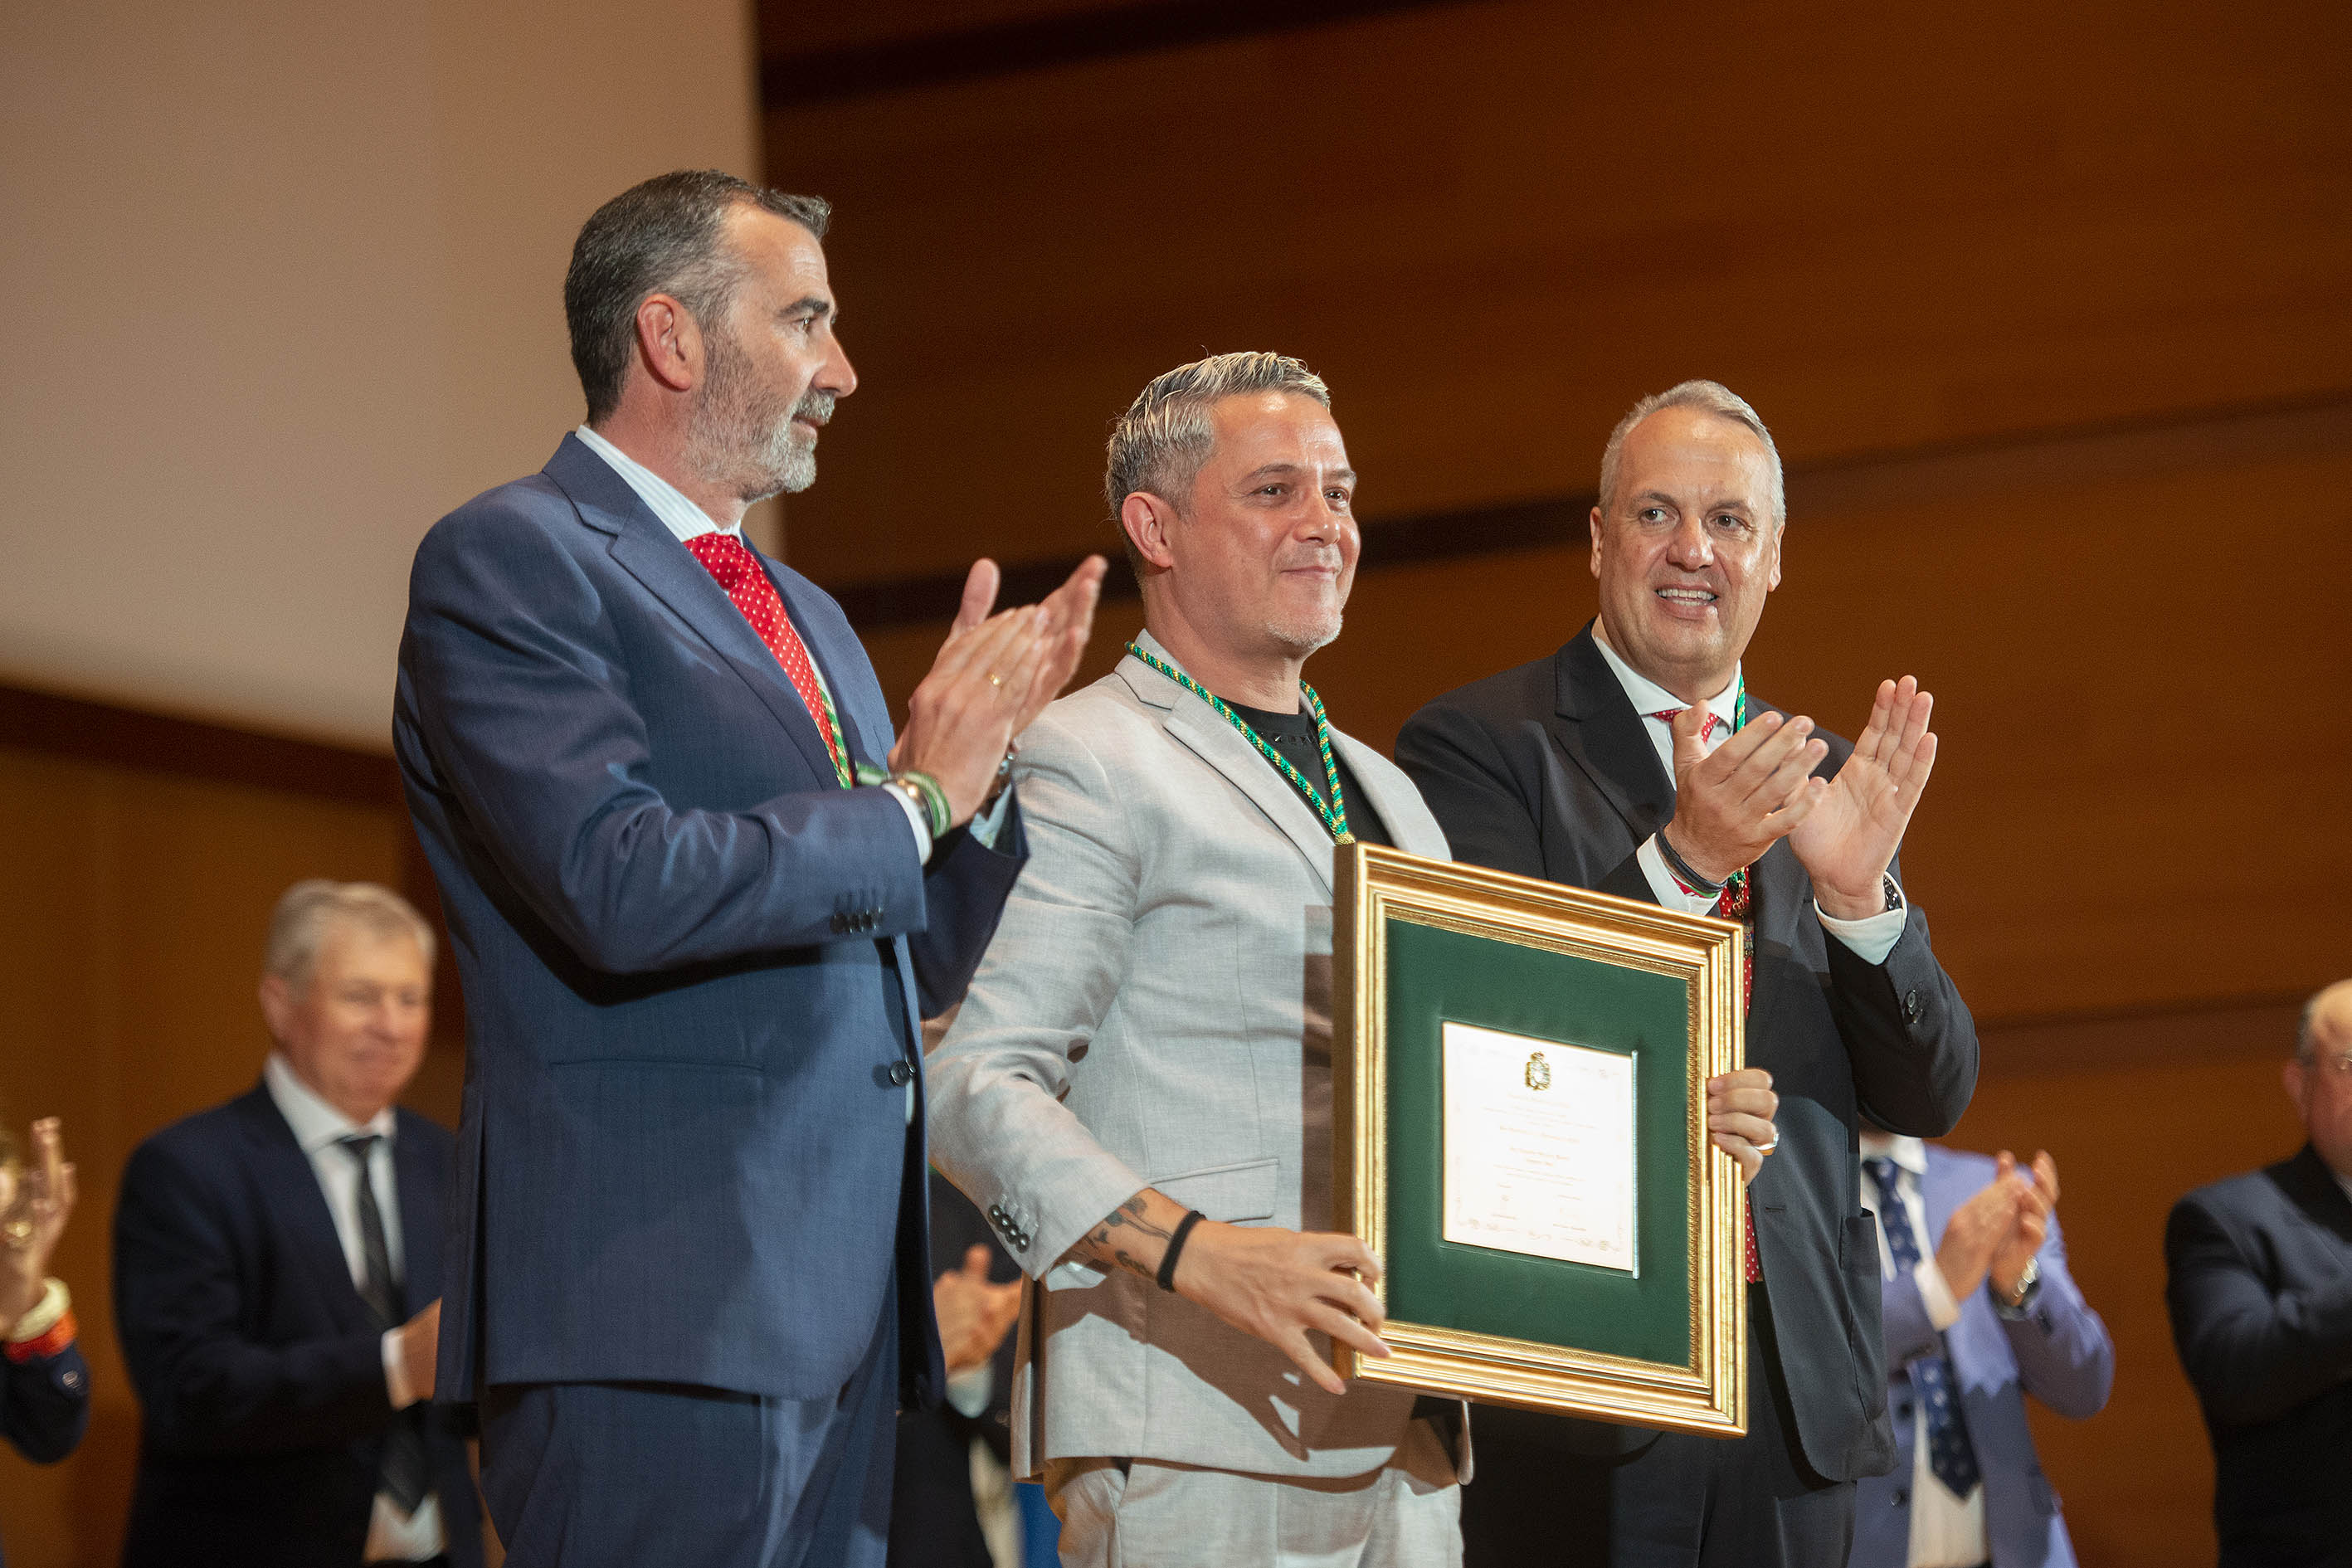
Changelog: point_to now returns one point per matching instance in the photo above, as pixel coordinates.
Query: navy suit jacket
(1547, 771)
(2059, 1352)
(2260, 1285)
(259, 1372)
(692, 961)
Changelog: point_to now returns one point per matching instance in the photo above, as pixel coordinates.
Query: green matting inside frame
(1436, 976)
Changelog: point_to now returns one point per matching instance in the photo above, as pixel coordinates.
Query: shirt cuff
(1935, 1293)
(1669, 892)
(915, 819)
(968, 1391)
(989, 823)
(395, 1373)
(1872, 937)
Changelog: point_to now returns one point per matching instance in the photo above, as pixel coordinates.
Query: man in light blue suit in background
(1987, 1317)
(700, 893)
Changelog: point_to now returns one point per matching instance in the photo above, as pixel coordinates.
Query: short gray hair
(2306, 1034)
(1160, 443)
(298, 926)
(1706, 398)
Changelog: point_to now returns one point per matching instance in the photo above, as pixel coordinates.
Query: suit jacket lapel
(288, 1187)
(1403, 819)
(652, 554)
(422, 1198)
(856, 696)
(1602, 734)
(1216, 742)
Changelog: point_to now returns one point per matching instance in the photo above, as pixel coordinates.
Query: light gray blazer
(1156, 1011)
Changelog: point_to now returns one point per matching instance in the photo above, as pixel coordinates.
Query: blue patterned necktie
(1951, 1459)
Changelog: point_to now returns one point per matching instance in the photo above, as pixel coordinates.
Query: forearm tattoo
(1127, 1216)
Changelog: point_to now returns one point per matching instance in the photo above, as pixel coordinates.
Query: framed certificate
(1520, 1132)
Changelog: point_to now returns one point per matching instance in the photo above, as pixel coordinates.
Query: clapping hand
(1849, 838)
(994, 675)
(32, 1220)
(974, 1314)
(2037, 1199)
(1997, 1232)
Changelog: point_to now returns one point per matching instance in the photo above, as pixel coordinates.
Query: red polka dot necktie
(738, 571)
(1732, 904)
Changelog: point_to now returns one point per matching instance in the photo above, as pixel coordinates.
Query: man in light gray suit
(1137, 1089)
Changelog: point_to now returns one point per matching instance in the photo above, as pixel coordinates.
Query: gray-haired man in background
(278, 1275)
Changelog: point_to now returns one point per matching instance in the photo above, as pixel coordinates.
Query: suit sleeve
(998, 1127)
(522, 697)
(2064, 1355)
(1489, 815)
(1912, 1040)
(44, 1405)
(204, 1386)
(965, 884)
(2252, 1353)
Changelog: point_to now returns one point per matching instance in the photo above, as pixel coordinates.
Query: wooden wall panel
(1493, 227)
(133, 910)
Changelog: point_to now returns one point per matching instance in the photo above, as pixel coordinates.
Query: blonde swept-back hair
(1706, 398)
(307, 910)
(1159, 445)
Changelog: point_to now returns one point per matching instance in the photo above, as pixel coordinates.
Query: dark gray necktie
(404, 1472)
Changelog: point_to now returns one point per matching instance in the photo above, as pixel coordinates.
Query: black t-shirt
(1293, 735)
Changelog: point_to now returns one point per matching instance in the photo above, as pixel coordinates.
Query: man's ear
(1594, 555)
(1780, 538)
(669, 343)
(1149, 520)
(277, 1004)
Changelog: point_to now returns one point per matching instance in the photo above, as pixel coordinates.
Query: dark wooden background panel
(1493, 227)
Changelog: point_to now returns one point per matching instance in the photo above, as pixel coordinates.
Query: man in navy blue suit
(1978, 1311)
(700, 894)
(277, 1270)
(2259, 1282)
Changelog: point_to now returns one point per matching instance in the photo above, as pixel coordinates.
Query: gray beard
(1304, 638)
(741, 435)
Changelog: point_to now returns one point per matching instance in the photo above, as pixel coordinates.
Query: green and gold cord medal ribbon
(1334, 813)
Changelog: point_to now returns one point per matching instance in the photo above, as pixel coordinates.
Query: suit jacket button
(1911, 1006)
(900, 1073)
(840, 925)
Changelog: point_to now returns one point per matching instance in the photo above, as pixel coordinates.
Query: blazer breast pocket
(1237, 1194)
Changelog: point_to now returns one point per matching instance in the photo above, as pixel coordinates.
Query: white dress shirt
(1872, 938)
(1947, 1532)
(320, 1128)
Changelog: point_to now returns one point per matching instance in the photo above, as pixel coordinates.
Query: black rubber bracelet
(1175, 1249)
(1681, 868)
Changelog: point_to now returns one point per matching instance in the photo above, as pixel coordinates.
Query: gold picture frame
(1600, 1343)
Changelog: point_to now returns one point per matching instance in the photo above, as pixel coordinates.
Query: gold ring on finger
(995, 679)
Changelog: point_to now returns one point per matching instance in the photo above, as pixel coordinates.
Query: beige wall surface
(285, 282)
